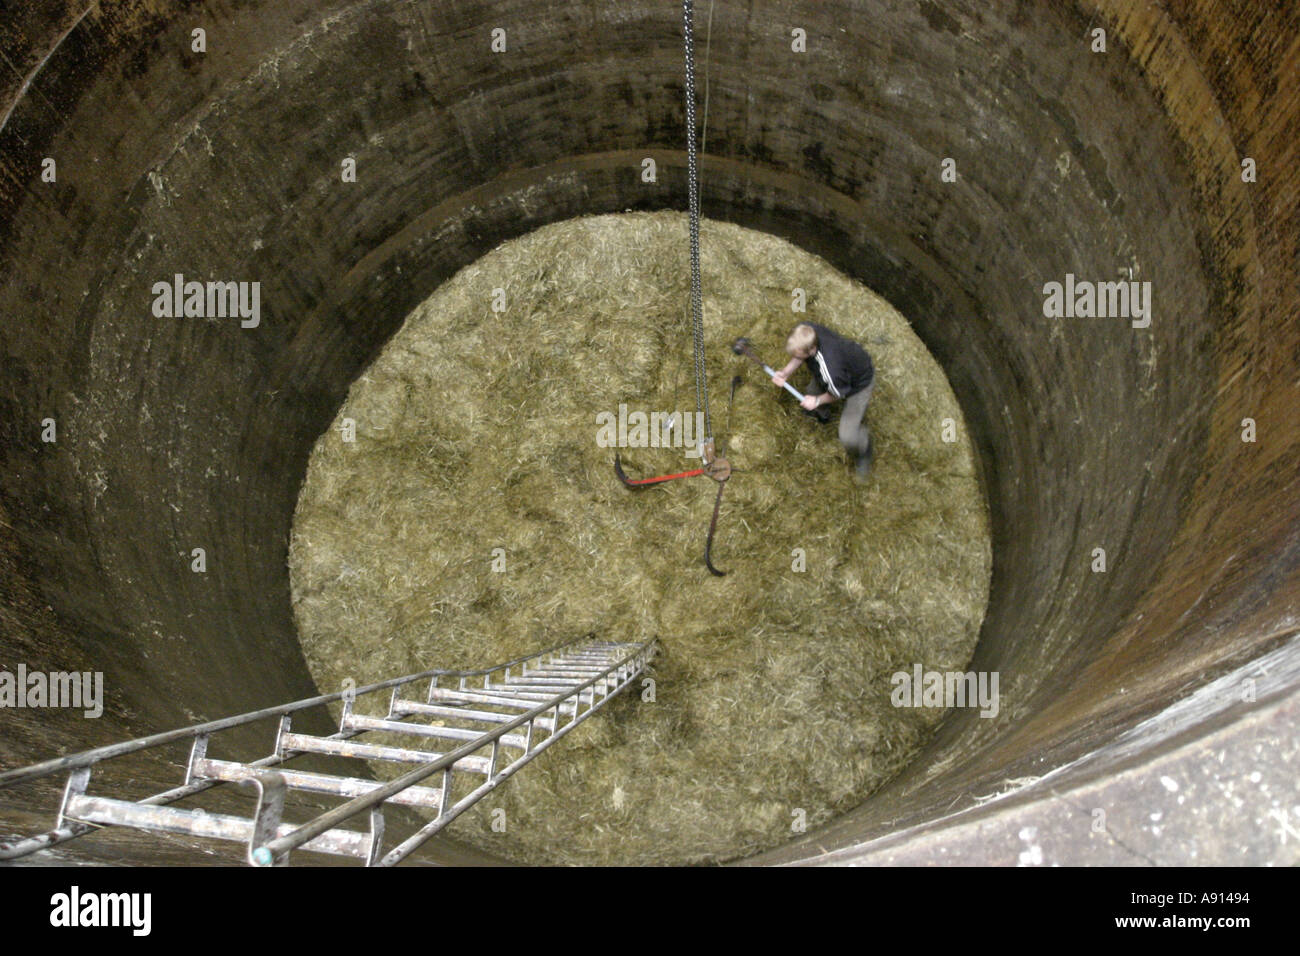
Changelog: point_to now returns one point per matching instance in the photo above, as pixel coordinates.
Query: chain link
(693, 186)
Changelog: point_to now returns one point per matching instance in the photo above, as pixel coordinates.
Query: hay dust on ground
(477, 430)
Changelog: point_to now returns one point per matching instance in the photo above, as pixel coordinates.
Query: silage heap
(477, 430)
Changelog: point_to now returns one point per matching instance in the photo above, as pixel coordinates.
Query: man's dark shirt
(848, 364)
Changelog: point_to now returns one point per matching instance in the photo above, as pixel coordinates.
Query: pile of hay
(477, 430)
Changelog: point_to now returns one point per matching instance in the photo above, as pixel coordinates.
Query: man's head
(802, 343)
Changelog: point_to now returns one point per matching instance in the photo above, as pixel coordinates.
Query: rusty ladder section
(520, 709)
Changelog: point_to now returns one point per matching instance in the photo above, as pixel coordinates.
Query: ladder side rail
(86, 760)
(332, 818)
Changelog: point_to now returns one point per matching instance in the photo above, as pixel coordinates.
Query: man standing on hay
(841, 371)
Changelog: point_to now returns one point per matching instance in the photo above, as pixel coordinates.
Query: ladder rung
(351, 748)
(532, 698)
(433, 710)
(500, 698)
(320, 783)
(563, 663)
(571, 678)
(595, 661)
(543, 681)
(544, 691)
(218, 826)
(362, 722)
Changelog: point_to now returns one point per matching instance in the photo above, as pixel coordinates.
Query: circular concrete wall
(182, 433)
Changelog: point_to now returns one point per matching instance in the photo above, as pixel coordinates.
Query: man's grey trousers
(854, 434)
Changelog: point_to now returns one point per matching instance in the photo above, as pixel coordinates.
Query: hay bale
(477, 430)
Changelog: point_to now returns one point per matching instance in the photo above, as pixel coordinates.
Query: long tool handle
(788, 387)
(742, 347)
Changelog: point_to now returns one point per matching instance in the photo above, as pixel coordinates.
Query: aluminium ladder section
(495, 729)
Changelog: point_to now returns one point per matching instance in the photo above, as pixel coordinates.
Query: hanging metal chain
(693, 183)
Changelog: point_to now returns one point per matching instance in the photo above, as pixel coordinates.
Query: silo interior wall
(177, 434)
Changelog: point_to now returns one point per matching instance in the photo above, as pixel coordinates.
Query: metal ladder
(499, 725)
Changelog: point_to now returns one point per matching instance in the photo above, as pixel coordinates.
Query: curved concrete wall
(176, 434)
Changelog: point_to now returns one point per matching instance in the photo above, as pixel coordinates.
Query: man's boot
(862, 469)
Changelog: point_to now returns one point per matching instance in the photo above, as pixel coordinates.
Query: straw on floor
(477, 430)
